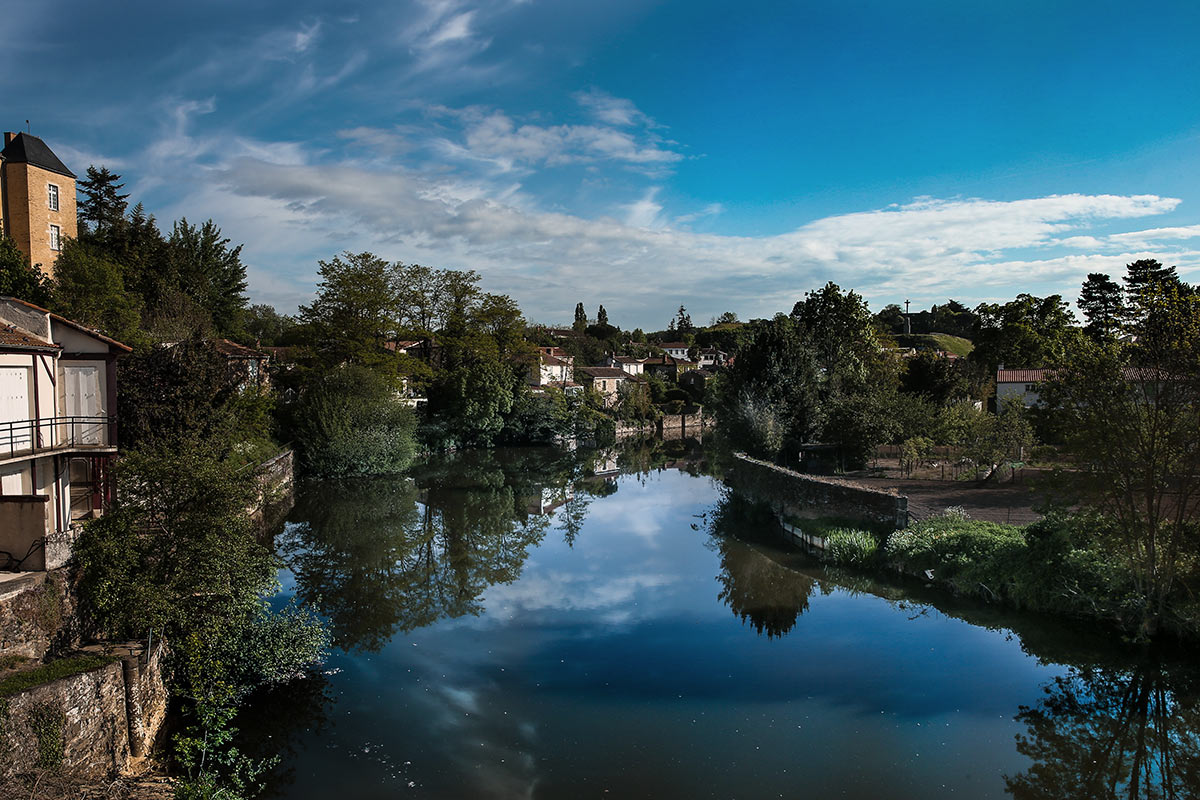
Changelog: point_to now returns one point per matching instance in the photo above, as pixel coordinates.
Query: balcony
(31, 437)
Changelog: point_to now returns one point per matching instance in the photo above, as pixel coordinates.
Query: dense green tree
(175, 395)
(266, 326)
(601, 316)
(1026, 332)
(205, 268)
(90, 288)
(838, 327)
(349, 421)
(1102, 301)
(19, 279)
(1143, 280)
(940, 379)
(581, 319)
(1131, 414)
(355, 310)
(102, 208)
(726, 318)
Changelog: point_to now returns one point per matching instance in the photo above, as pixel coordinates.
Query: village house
(629, 364)
(58, 432)
(712, 358)
(1020, 384)
(37, 199)
(607, 381)
(247, 365)
(695, 380)
(552, 366)
(668, 367)
(674, 349)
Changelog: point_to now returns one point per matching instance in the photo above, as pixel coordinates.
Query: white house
(1021, 384)
(675, 349)
(553, 366)
(58, 399)
(631, 365)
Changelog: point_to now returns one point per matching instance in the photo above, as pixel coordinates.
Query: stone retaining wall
(801, 495)
(86, 726)
(35, 609)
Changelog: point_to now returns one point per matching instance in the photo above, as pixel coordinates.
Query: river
(541, 624)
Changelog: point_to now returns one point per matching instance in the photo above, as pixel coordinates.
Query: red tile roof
(604, 372)
(13, 337)
(1021, 375)
(235, 350)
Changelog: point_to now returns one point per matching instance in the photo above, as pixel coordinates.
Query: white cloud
(644, 212)
(612, 110)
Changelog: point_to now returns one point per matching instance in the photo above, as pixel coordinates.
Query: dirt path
(1003, 502)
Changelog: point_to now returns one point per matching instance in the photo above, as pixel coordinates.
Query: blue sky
(643, 154)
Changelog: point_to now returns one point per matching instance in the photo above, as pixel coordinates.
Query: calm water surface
(514, 625)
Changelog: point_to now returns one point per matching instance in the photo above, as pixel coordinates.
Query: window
(55, 232)
(52, 196)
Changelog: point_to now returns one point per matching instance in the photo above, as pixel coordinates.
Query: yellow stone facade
(31, 218)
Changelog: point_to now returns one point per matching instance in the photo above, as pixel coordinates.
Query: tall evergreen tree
(1142, 279)
(580, 323)
(104, 206)
(601, 316)
(210, 272)
(1102, 301)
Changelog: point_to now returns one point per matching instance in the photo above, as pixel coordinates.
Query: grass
(55, 670)
(936, 341)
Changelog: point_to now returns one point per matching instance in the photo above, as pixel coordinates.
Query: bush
(352, 422)
(967, 554)
(851, 547)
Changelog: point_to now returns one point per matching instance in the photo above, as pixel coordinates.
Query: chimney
(8, 137)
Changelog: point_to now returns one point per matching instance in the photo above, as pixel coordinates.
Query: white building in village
(58, 399)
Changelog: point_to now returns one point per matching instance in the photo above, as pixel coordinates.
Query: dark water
(512, 625)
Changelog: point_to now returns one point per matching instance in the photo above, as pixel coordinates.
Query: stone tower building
(38, 199)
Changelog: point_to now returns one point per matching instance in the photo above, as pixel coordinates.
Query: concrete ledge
(791, 492)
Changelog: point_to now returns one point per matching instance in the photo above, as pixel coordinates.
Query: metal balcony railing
(30, 436)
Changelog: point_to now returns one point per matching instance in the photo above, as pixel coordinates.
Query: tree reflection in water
(1105, 733)
(385, 555)
(768, 595)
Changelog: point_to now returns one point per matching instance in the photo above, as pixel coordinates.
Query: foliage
(48, 723)
(178, 547)
(941, 379)
(203, 267)
(90, 288)
(851, 547)
(266, 326)
(945, 342)
(355, 310)
(171, 395)
(951, 318)
(1131, 414)
(102, 208)
(51, 671)
(1102, 301)
(19, 279)
(350, 421)
(1026, 332)
(914, 452)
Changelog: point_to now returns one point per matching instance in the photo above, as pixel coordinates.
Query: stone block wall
(91, 725)
(76, 726)
(35, 611)
(801, 495)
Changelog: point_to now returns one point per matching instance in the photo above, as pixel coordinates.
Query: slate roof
(28, 149)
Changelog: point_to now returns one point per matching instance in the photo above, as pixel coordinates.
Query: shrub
(851, 547)
(352, 422)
